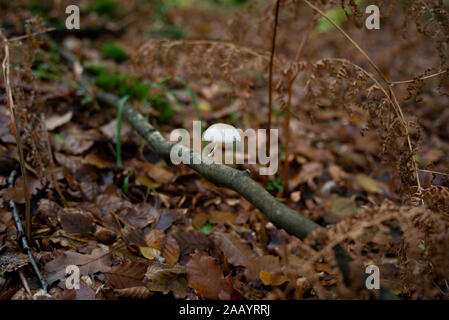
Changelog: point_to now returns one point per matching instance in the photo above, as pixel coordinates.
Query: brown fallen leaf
(159, 273)
(16, 194)
(55, 120)
(272, 278)
(256, 265)
(158, 173)
(222, 217)
(151, 254)
(155, 239)
(127, 275)
(308, 172)
(367, 184)
(205, 276)
(344, 206)
(83, 293)
(236, 252)
(171, 251)
(97, 261)
(134, 293)
(75, 221)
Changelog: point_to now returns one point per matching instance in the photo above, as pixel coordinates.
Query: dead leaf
(222, 217)
(55, 121)
(151, 253)
(308, 172)
(205, 276)
(268, 263)
(344, 207)
(272, 278)
(76, 221)
(133, 293)
(171, 251)
(155, 239)
(16, 194)
(236, 252)
(367, 184)
(158, 173)
(162, 273)
(127, 275)
(97, 261)
(83, 293)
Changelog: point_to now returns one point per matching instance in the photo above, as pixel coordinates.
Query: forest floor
(375, 176)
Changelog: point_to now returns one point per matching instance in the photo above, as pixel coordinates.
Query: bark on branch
(279, 214)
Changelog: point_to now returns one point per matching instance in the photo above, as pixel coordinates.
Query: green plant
(108, 8)
(275, 185)
(113, 51)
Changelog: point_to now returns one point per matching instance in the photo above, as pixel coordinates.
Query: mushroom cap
(221, 132)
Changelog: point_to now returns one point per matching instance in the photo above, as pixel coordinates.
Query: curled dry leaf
(151, 254)
(55, 121)
(205, 276)
(158, 273)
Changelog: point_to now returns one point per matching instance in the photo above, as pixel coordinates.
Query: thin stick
(434, 172)
(289, 102)
(420, 79)
(6, 73)
(25, 283)
(21, 234)
(270, 81)
(25, 36)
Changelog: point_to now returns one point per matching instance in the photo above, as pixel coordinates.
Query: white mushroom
(221, 133)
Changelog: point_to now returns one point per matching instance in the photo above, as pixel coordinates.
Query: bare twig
(289, 102)
(21, 234)
(6, 73)
(25, 283)
(434, 172)
(420, 79)
(270, 80)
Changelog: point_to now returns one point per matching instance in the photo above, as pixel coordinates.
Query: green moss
(115, 52)
(163, 106)
(168, 31)
(44, 66)
(108, 8)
